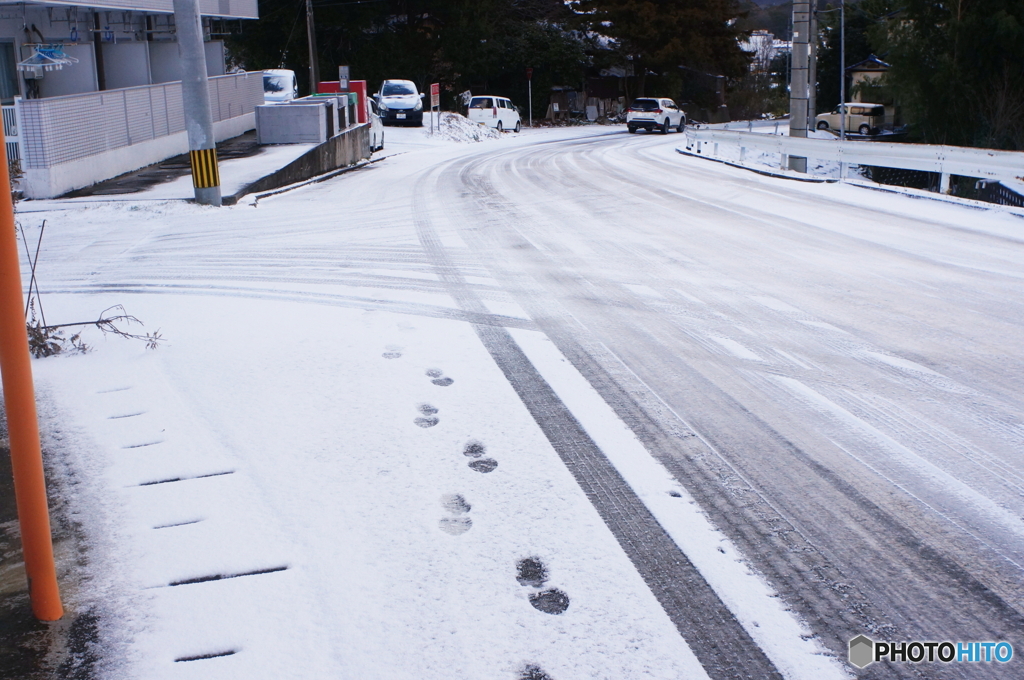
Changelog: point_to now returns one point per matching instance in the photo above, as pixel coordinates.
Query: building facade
(91, 92)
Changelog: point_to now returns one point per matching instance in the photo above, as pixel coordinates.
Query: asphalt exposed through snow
(821, 373)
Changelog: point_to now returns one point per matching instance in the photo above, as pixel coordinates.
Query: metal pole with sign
(529, 93)
(435, 103)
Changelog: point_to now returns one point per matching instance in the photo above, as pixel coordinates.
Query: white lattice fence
(60, 130)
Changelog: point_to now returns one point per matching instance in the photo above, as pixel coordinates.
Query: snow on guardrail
(947, 160)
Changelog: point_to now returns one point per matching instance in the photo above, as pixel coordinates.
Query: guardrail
(945, 160)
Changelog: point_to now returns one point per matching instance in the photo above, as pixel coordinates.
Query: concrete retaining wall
(347, 148)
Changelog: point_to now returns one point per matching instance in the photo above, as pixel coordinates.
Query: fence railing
(12, 134)
(57, 130)
(945, 160)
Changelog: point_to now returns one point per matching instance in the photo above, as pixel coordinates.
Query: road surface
(833, 374)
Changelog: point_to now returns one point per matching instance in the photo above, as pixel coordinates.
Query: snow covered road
(738, 420)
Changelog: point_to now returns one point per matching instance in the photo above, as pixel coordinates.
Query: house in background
(867, 72)
(91, 92)
(863, 76)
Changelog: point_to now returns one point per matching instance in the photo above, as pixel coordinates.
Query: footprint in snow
(438, 377)
(531, 572)
(532, 671)
(429, 420)
(458, 508)
(475, 450)
(393, 352)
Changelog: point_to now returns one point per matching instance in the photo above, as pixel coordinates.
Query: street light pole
(529, 93)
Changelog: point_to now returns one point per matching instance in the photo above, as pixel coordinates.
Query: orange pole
(22, 425)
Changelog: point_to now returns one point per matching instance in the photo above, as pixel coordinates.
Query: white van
(864, 119)
(279, 85)
(495, 112)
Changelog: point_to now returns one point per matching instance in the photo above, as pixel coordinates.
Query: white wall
(125, 64)
(72, 79)
(214, 57)
(164, 62)
(60, 179)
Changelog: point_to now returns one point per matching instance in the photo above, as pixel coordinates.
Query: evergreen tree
(484, 45)
(957, 67)
(666, 34)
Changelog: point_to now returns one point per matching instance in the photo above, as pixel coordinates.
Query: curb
(766, 173)
(234, 198)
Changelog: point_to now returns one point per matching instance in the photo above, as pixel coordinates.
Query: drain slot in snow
(126, 415)
(139, 446)
(178, 524)
(200, 657)
(185, 479)
(221, 577)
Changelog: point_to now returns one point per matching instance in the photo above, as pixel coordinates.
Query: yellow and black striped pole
(204, 168)
(195, 100)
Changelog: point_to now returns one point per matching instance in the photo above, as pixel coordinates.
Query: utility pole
(314, 65)
(798, 98)
(195, 99)
(812, 68)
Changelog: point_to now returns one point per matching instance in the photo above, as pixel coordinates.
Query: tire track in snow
(721, 644)
(865, 597)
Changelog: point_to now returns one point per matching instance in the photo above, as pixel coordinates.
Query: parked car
(655, 114)
(496, 112)
(279, 85)
(376, 127)
(398, 102)
(864, 119)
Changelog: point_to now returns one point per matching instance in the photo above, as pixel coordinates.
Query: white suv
(495, 112)
(651, 114)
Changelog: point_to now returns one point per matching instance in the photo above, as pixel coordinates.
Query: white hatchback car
(495, 112)
(650, 114)
(279, 86)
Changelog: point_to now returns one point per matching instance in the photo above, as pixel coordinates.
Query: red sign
(529, 74)
(435, 95)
